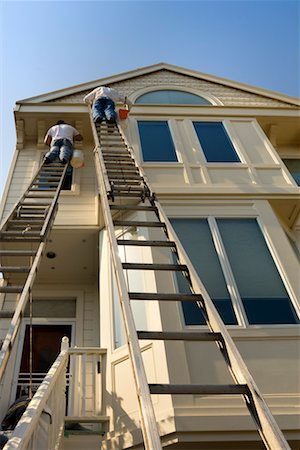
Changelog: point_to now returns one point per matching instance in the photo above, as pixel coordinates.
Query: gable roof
(55, 95)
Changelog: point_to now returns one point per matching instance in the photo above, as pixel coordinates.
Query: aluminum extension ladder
(23, 237)
(120, 177)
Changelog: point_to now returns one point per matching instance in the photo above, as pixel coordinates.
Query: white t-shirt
(103, 91)
(62, 131)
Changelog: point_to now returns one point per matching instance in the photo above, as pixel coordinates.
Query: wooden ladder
(23, 237)
(118, 176)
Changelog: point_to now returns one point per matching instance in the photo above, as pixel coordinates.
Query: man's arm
(47, 139)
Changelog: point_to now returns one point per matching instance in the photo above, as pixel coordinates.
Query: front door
(46, 343)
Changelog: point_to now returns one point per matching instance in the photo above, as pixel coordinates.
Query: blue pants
(104, 109)
(61, 149)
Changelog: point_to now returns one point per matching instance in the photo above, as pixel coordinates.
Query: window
(196, 238)
(293, 166)
(215, 142)
(156, 141)
(262, 294)
(171, 97)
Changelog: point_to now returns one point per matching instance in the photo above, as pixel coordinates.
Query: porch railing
(77, 372)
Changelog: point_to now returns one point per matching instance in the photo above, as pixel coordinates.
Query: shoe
(98, 120)
(46, 160)
(63, 161)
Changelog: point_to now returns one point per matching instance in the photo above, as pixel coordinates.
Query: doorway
(46, 344)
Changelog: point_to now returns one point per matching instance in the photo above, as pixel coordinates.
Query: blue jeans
(104, 109)
(61, 149)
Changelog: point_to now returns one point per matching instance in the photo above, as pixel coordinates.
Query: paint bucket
(123, 114)
(77, 160)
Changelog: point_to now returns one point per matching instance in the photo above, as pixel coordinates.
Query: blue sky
(45, 46)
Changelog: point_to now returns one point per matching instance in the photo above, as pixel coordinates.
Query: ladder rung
(17, 253)
(134, 223)
(11, 289)
(111, 159)
(37, 205)
(15, 269)
(146, 243)
(39, 196)
(209, 389)
(22, 239)
(165, 297)
(133, 207)
(124, 183)
(120, 176)
(19, 234)
(127, 188)
(41, 189)
(180, 335)
(33, 221)
(176, 267)
(6, 314)
(127, 194)
(36, 212)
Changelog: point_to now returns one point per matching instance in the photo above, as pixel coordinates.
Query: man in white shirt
(103, 99)
(60, 138)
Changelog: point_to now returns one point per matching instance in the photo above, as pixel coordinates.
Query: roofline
(154, 68)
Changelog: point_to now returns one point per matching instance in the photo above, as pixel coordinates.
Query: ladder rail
(16, 319)
(14, 325)
(18, 202)
(148, 421)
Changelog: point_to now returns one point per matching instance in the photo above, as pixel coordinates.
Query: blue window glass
(215, 142)
(156, 141)
(262, 291)
(171, 97)
(293, 166)
(196, 238)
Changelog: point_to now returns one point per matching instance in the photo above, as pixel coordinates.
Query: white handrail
(23, 437)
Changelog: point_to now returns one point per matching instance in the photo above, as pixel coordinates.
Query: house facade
(223, 158)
